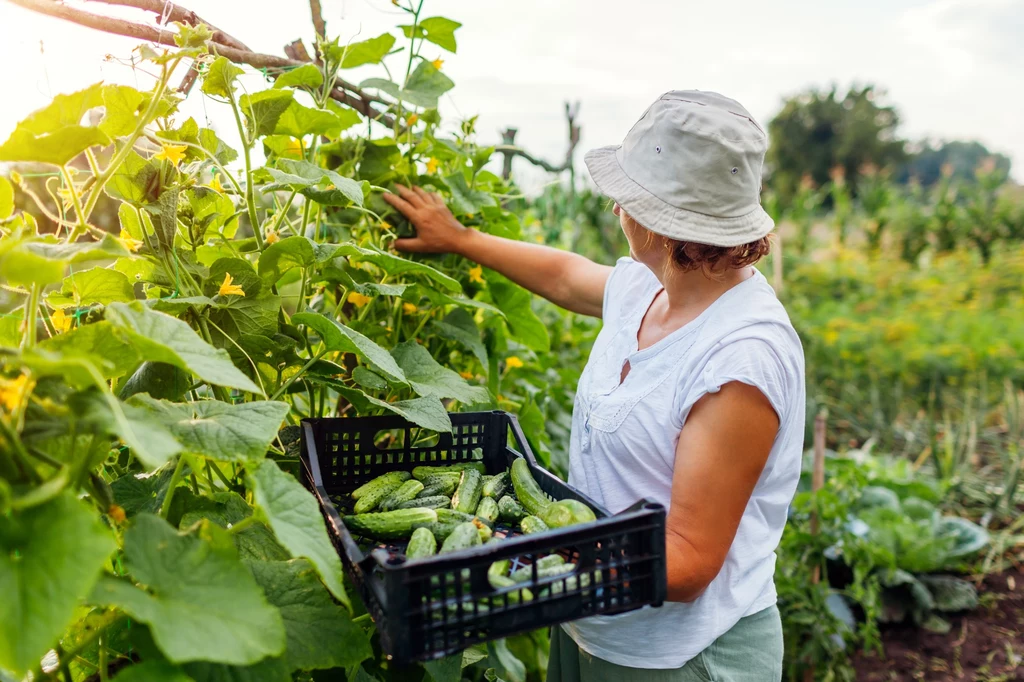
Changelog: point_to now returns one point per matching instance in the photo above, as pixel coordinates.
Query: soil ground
(985, 645)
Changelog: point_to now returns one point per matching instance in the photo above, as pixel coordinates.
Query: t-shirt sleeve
(752, 361)
(622, 274)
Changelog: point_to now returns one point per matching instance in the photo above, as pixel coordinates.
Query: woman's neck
(688, 294)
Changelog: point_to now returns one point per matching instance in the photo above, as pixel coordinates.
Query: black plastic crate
(434, 607)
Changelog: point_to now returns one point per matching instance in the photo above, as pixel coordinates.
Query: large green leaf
(148, 439)
(142, 492)
(50, 557)
(459, 325)
(298, 121)
(98, 343)
(294, 516)
(220, 77)
(162, 338)
(285, 255)
(218, 430)
(320, 633)
(951, 593)
(96, 285)
(426, 85)
(427, 412)
(322, 185)
(199, 600)
(44, 260)
(466, 201)
(64, 110)
(123, 109)
(267, 670)
(55, 148)
(136, 181)
(438, 30)
(338, 337)
(159, 380)
(428, 378)
(263, 110)
(396, 265)
(515, 303)
(305, 76)
(970, 538)
(255, 543)
(370, 51)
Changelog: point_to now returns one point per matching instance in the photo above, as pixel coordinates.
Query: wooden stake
(817, 483)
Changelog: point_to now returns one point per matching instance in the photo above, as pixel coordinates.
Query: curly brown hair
(713, 261)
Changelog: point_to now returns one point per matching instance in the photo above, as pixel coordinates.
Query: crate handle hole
(654, 506)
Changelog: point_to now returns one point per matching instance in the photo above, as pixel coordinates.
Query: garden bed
(984, 644)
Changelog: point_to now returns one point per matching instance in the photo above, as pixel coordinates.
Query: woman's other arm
(566, 279)
(722, 451)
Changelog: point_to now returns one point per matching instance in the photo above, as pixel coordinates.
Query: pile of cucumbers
(456, 505)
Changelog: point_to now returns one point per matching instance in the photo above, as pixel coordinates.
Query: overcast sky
(954, 68)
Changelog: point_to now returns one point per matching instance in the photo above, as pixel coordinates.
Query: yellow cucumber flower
(357, 299)
(61, 321)
(128, 242)
(229, 289)
(476, 274)
(432, 165)
(513, 362)
(409, 308)
(437, 63)
(11, 391)
(174, 153)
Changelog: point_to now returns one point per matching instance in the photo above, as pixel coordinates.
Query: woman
(693, 394)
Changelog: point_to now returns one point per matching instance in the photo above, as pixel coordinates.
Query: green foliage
(818, 131)
(144, 477)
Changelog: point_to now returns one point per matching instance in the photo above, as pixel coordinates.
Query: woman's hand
(437, 230)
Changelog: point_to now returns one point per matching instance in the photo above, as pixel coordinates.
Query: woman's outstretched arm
(566, 279)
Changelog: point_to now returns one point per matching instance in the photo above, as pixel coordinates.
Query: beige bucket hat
(690, 169)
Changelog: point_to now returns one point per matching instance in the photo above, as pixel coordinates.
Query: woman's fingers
(410, 245)
(409, 195)
(398, 202)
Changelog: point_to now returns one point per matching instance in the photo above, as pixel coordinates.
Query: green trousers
(750, 652)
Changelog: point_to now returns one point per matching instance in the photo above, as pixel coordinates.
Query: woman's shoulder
(628, 280)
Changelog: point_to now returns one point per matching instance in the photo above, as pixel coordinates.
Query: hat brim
(665, 219)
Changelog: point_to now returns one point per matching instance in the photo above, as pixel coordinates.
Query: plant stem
(101, 644)
(165, 508)
(124, 151)
(31, 308)
(76, 202)
(293, 378)
(250, 192)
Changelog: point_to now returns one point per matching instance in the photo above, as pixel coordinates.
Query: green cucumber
(544, 563)
(390, 525)
(421, 544)
(461, 517)
(403, 493)
(447, 483)
(526, 573)
(370, 499)
(532, 524)
(499, 567)
(442, 529)
(396, 477)
(468, 494)
(514, 597)
(487, 509)
(510, 511)
(527, 490)
(432, 502)
(422, 472)
(464, 536)
(499, 485)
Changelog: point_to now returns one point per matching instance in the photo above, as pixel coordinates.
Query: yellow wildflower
(215, 184)
(61, 322)
(476, 274)
(437, 63)
(357, 299)
(228, 289)
(128, 242)
(831, 336)
(409, 308)
(513, 362)
(171, 152)
(466, 375)
(411, 119)
(273, 237)
(432, 166)
(12, 390)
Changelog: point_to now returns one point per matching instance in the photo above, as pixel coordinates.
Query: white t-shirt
(623, 448)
